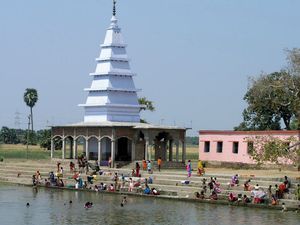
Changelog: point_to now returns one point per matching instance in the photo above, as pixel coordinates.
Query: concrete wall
(228, 138)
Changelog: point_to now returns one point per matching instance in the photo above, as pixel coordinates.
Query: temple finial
(114, 7)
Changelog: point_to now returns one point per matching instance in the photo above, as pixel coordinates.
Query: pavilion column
(183, 151)
(52, 148)
(147, 149)
(112, 156)
(71, 149)
(87, 149)
(133, 150)
(170, 150)
(63, 148)
(99, 151)
(74, 149)
(165, 148)
(177, 151)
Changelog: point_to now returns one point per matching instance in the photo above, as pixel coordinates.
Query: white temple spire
(112, 95)
(114, 7)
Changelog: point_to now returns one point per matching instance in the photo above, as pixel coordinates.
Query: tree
(30, 98)
(271, 98)
(9, 136)
(293, 58)
(44, 138)
(146, 104)
(272, 149)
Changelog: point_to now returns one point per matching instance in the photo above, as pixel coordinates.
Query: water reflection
(53, 207)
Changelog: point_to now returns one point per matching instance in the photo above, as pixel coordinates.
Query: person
(232, 197)
(147, 190)
(124, 201)
(61, 170)
(159, 162)
(27, 204)
(234, 180)
(86, 164)
(116, 180)
(109, 162)
(213, 196)
(58, 166)
(88, 205)
(154, 191)
(111, 188)
(34, 181)
(131, 185)
(144, 164)
(282, 190)
(246, 199)
(72, 166)
(200, 168)
(199, 195)
(298, 192)
(149, 167)
(137, 169)
(283, 207)
(270, 191)
(274, 200)
(287, 182)
(189, 168)
(247, 185)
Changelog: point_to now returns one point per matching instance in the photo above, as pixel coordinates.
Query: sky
(193, 58)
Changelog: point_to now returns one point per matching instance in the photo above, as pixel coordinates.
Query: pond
(51, 206)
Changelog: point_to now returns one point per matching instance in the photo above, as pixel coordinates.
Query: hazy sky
(193, 57)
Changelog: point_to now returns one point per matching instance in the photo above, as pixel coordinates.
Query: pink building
(233, 146)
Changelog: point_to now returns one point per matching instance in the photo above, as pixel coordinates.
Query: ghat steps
(167, 180)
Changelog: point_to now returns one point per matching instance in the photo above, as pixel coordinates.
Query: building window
(250, 147)
(235, 147)
(219, 146)
(206, 146)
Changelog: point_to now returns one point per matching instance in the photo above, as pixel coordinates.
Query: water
(50, 206)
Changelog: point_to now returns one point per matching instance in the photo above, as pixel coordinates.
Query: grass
(20, 152)
(35, 152)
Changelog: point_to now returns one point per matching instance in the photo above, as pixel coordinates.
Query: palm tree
(30, 98)
(146, 104)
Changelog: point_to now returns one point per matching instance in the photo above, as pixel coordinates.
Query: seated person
(213, 196)
(150, 180)
(234, 180)
(111, 188)
(246, 199)
(247, 185)
(232, 197)
(147, 190)
(154, 191)
(90, 179)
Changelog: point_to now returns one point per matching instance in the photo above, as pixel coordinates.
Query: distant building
(233, 146)
(111, 128)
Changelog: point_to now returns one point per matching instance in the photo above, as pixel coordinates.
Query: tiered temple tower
(112, 95)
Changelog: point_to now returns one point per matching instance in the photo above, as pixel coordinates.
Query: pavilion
(111, 126)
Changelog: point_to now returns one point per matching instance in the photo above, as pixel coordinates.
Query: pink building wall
(227, 138)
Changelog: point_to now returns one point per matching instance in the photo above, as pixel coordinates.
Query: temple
(111, 127)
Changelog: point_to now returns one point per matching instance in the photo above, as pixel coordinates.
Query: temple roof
(123, 124)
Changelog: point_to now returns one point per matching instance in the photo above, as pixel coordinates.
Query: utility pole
(17, 120)
(27, 136)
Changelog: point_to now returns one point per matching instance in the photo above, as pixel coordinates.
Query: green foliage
(30, 98)
(271, 98)
(8, 136)
(146, 104)
(192, 140)
(271, 149)
(44, 138)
